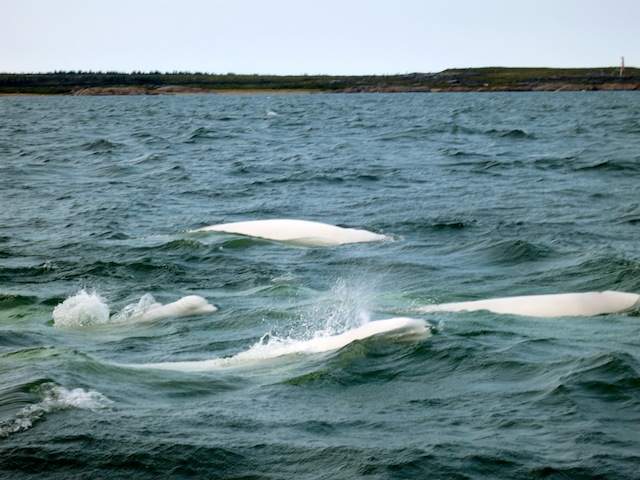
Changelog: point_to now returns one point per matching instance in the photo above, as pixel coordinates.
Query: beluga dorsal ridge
(547, 306)
(297, 232)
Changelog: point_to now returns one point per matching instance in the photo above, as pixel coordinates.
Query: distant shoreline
(489, 79)
(209, 92)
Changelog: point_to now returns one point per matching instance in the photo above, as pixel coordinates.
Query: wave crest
(52, 398)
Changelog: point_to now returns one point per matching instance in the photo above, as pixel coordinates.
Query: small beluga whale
(296, 232)
(547, 306)
(186, 306)
(90, 309)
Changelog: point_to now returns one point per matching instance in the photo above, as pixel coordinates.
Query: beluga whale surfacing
(547, 306)
(296, 232)
(398, 328)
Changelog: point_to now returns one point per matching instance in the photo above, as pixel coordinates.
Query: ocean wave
(601, 271)
(137, 267)
(617, 165)
(515, 134)
(32, 354)
(50, 398)
(615, 376)
(8, 300)
(513, 252)
(586, 384)
(203, 134)
(449, 225)
(35, 273)
(101, 145)
(481, 165)
(458, 153)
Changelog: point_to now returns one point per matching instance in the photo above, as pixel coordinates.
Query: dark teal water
(484, 195)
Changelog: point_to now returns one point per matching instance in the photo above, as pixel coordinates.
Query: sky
(297, 37)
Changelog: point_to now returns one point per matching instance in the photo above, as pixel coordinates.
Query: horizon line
(189, 72)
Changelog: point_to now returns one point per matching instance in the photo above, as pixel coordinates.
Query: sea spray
(345, 306)
(146, 303)
(52, 398)
(80, 310)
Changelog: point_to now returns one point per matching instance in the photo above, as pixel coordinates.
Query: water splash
(80, 310)
(144, 305)
(53, 398)
(88, 309)
(345, 306)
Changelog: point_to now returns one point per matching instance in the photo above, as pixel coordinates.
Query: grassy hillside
(471, 79)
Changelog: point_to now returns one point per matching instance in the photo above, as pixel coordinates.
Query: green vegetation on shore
(470, 79)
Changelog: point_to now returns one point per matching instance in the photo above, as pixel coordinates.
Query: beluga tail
(297, 232)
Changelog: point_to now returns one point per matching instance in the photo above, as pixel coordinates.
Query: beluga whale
(547, 306)
(296, 232)
(189, 305)
(398, 329)
(89, 309)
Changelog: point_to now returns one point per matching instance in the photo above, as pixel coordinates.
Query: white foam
(53, 398)
(85, 309)
(297, 232)
(547, 306)
(80, 310)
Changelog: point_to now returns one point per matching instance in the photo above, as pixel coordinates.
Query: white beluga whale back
(399, 328)
(90, 309)
(297, 232)
(189, 305)
(547, 306)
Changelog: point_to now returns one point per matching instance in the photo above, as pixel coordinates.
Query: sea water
(479, 195)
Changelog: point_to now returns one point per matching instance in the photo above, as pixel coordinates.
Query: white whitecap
(52, 398)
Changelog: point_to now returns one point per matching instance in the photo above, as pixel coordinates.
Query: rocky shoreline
(568, 87)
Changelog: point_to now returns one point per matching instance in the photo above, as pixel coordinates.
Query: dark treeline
(482, 79)
(68, 82)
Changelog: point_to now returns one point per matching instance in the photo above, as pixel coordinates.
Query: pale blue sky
(337, 37)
